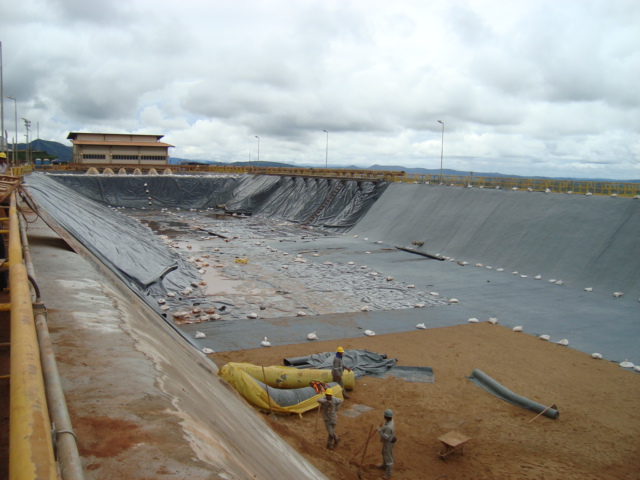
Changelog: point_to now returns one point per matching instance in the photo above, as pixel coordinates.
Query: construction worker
(3, 164)
(329, 406)
(388, 438)
(338, 369)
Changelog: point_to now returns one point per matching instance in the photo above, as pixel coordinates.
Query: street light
(326, 158)
(15, 139)
(441, 150)
(258, 147)
(27, 124)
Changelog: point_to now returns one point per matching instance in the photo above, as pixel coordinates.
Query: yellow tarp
(253, 393)
(291, 377)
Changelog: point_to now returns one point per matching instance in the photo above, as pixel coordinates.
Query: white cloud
(533, 87)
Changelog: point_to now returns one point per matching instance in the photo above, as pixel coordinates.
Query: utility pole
(15, 139)
(326, 157)
(441, 150)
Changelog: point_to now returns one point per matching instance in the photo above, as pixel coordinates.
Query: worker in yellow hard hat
(3, 164)
(338, 370)
(329, 406)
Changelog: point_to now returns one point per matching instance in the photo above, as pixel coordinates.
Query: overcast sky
(524, 87)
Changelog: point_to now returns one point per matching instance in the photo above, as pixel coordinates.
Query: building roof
(73, 135)
(122, 144)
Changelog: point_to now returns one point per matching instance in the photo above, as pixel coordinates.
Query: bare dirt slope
(595, 437)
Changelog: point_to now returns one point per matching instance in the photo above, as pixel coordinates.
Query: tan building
(119, 149)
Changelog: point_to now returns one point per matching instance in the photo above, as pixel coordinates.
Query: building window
(153, 157)
(124, 157)
(93, 156)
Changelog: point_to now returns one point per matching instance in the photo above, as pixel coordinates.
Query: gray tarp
(490, 385)
(412, 374)
(362, 362)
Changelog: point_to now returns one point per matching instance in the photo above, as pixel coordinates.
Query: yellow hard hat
(329, 391)
(340, 350)
(2, 155)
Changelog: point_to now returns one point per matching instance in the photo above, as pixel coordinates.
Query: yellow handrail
(621, 189)
(31, 449)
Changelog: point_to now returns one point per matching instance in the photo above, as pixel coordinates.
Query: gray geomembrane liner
(503, 248)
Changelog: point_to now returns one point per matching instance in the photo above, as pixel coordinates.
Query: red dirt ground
(595, 437)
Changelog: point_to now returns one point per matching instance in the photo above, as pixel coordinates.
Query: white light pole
(258, 147)
(441, 150)
(326, 158)
(27, 147)
(15, 139)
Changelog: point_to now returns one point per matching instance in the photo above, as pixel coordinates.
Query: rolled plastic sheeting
(294, 361)
(298, 400)
(490, 385)
(289, 377)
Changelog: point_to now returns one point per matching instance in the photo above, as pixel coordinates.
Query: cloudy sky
(524, 87)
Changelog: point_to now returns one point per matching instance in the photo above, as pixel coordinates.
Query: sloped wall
(588, 241)
(295, 199)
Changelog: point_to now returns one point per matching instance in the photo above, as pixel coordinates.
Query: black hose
(424, 254)
(34, 284)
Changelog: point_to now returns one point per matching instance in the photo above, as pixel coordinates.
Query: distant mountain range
(64, 154)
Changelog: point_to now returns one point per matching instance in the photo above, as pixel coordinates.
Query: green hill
(55, 149)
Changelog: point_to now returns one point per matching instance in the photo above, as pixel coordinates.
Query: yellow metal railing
(387, 175)
(31, 450)
(583, 187)
(20, 171)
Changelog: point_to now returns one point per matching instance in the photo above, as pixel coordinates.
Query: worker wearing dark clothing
(338, 370)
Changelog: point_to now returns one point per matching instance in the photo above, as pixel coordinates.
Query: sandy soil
(597, 435)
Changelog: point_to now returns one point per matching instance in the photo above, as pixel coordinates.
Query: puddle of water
(217, 284)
